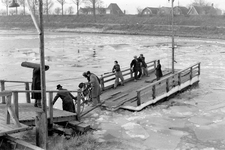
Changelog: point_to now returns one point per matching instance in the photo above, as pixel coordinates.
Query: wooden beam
(2, 89)
(41, 130)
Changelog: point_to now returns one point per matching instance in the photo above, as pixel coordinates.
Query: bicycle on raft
(85, 96)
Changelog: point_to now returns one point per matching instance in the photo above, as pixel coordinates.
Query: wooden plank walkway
(127, 95)
(27, 114)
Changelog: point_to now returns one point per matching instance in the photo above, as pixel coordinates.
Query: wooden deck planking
(27, 114)
(133, 86)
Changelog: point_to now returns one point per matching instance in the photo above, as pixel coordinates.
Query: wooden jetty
(133, 96)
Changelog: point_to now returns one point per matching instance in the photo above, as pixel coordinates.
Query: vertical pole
(199, 67)
(42, 68)
(40, 123)
(138, 98)
(2, 89)
(15, 101)
(179, 78)
(50, 109)
(172, 37)
(154, 64)
(190, 73)
(27, 88)
(131, 74)
(78, 104)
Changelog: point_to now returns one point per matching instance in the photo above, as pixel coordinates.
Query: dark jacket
(67, 100)
(143, 63)
(36, 83)
(135, 64)
(116, 68)
(158, 72)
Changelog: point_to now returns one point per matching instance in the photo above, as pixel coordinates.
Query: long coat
(67, 100)
(158, 72)
(36, 83)
(96, 89)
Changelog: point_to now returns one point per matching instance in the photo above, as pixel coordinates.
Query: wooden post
(199, 67)
(27, 88)
(8, 105)
(153, 91)
(50, 125)
(138, 98)
(102, 83)
(179, 78)
(78, 104)
(40, 123)
(167, 85)
(190, 73)
(2, 89)
(131, 74)
(15, 101)
(154, 64)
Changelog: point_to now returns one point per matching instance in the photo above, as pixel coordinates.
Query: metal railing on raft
(107, 80)
(150, 91)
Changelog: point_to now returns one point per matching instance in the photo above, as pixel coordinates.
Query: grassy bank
(193, 26)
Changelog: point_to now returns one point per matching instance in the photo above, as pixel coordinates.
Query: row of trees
(48, 6)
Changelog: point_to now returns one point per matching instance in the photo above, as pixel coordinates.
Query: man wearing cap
(135, 66)
(67, 99)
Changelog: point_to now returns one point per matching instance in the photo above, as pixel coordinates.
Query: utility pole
(172, 36)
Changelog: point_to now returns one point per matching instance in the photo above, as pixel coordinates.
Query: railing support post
(154, 64)
(15, 101)
(190, 73)
(102, 83)
(2, 89)
(179, 78)
(131, 74)
(138, 98)
(199, 67)
(78, 104)
(50, 125)
(8, 105)
(167, 85)
(27, 88)
(153, 91)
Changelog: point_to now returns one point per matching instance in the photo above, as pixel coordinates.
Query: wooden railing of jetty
(107, 81)
(172, 81)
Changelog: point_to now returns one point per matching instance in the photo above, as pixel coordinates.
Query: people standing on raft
(135, 67)
(67, 99)
(36, 85)
(143, 65)
(158, 71)
(94, 81)
(118, 74)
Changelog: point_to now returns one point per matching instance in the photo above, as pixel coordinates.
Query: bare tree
(70, 10)
(139, 11)
(62, 3)
(23, 3)
(6, 3)
(200, 3)
(94, 4)
(77, 3)
(57, 11)
(48, 4)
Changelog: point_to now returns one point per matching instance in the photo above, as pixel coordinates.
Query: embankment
(186, 26)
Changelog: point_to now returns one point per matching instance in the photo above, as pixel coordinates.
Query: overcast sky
(131, 5)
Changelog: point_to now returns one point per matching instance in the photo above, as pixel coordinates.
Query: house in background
(150, 11)
(180, 10)
(204, 10)
(114, 9)
(164, 11)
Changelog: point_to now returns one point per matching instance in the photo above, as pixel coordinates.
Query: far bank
(184, 26)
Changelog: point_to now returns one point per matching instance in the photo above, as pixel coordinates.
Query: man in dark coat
(36, 85)
(158, 71)
(143, 65)
(135, 66)
(67, 99)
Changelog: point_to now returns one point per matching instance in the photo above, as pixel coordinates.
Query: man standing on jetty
(118, 74)
(135, 66)
(95, 87)
(36, 85)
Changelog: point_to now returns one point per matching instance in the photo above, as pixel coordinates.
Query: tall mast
(172, 37)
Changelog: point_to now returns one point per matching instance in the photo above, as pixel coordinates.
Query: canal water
(193, 120)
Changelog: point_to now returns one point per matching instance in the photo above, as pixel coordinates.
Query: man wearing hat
(67, 99)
